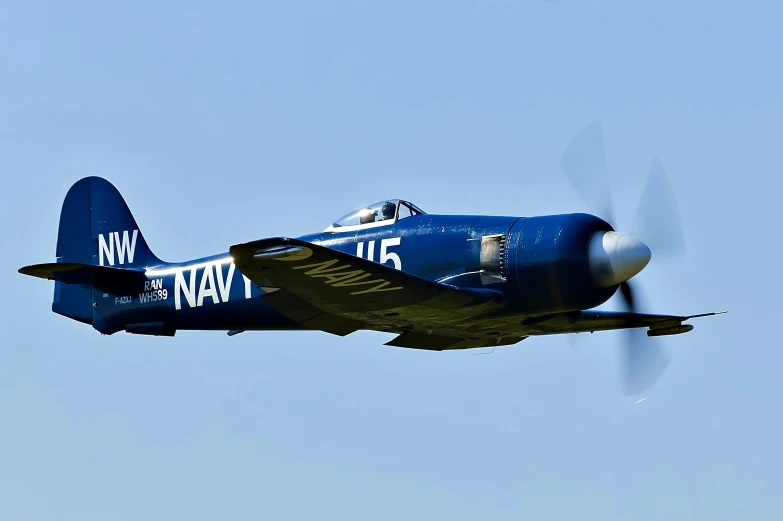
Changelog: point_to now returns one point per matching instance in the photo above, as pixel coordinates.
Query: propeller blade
(644, 358)
(627, 293)
(644, 361)
(584, 163)
(658, 219)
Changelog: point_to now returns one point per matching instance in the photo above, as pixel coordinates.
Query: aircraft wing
(340, 293)
(589, 321)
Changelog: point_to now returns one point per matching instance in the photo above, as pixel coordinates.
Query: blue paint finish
(431, 246)
(242, 309)
(544, 266)
(549, 270)
(74, 245)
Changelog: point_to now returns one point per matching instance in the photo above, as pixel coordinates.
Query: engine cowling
(547, 261)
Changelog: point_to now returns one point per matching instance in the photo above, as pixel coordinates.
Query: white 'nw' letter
(107, 249)
(124, 246)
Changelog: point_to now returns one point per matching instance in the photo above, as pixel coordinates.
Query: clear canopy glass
(384, 211)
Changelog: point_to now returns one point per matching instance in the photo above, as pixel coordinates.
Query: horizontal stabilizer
(76, 273)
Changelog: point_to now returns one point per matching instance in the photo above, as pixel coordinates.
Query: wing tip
(711, 314)
(41, 271)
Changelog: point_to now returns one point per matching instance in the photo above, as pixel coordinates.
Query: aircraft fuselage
(539, 262)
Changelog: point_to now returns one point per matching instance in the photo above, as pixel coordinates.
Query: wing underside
(590, 321)
(339, 293)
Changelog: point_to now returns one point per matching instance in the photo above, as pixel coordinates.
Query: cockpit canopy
(384, 212)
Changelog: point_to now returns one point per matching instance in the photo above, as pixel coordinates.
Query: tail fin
(96, 227)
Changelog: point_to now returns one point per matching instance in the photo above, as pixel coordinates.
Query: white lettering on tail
(125, 247)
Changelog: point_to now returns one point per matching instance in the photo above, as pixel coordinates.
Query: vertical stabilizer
(96, 227)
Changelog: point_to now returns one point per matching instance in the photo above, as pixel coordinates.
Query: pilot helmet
(388, 210)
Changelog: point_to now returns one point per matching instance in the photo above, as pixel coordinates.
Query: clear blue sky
(226, 122)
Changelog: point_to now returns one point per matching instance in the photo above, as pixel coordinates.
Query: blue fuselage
(538, 263)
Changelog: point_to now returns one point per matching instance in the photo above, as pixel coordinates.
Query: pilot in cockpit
(388, 210)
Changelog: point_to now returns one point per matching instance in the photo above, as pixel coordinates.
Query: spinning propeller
(616, 257)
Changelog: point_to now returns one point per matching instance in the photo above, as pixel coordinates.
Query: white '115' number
(386, 255)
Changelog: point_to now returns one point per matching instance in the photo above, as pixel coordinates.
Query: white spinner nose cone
(616, 257)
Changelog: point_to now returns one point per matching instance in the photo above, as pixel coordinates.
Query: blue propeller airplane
(438, 282)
